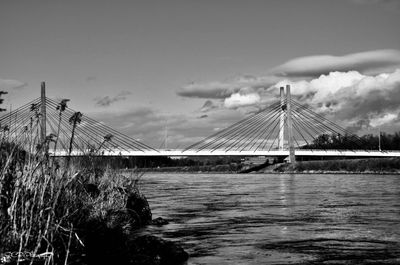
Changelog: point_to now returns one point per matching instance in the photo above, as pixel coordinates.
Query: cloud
(208, 106)
(384, 119)
(107, 100)
(324, 86)
(370, 62)
(239, 100)
(358, 91)
(222, 90)
(9, 84)
(207, 90)
(393, 5)
(326, 71)
(351, 97)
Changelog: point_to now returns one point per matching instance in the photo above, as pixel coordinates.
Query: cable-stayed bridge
(285, 128)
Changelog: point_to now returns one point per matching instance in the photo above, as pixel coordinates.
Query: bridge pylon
(292, 156)
(43, 118)
(281, 140)
(286, 108)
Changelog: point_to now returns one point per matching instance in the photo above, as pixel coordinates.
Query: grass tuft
(46, 203)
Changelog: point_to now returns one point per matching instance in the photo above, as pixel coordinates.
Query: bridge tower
(286, 107)
(292, 157)
(281, 139)
(43, 112)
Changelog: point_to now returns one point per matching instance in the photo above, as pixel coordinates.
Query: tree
(75, 119)
(61, 107)
(107, 138)
(1, 100)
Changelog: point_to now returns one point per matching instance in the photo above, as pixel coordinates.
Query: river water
(279, 218)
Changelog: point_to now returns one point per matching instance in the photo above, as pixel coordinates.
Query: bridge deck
(302, 152)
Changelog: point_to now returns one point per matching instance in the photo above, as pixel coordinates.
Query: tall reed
(45, 202)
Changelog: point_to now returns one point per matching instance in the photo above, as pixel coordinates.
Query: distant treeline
(366, 142)
(370, 165)
(162, 161)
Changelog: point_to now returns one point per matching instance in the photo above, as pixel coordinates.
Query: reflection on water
(279, 219)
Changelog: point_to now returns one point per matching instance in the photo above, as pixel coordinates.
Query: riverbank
(76, 212)
(229, 168)
(348, 166)
(345, 166)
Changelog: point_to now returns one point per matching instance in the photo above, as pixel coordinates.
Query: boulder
(158, 250)
(106, 244)
(159, 221)
(122, 220)
(139, 207)
(104, 241)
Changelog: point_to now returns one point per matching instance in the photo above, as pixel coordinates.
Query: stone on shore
(159, 221)
(159, 250)
(139, 208)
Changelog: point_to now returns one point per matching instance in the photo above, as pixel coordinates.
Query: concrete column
(292, 157)
(43, 112)
(281, 140)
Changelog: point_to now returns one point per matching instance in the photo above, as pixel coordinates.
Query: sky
(189, 68)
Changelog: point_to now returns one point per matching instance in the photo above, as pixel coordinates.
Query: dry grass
(43, 203)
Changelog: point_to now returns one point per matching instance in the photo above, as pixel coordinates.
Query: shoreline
(274, 172)
(371, 166)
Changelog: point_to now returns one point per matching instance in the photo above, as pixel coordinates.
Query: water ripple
(279, 219)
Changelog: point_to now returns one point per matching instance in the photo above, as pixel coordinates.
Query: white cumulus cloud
(239, 100)
(351, 96)
(386, 118)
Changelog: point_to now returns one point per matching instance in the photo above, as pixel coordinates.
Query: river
(279, 218)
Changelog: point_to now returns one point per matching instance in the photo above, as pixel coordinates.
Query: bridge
(283, 129)
(274, 153)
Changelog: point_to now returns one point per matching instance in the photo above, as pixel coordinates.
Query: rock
(114, 240)
(159, 221)
(106, 244)
(122, 220)
(139, 207)
(158, 250)
(104, 241)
